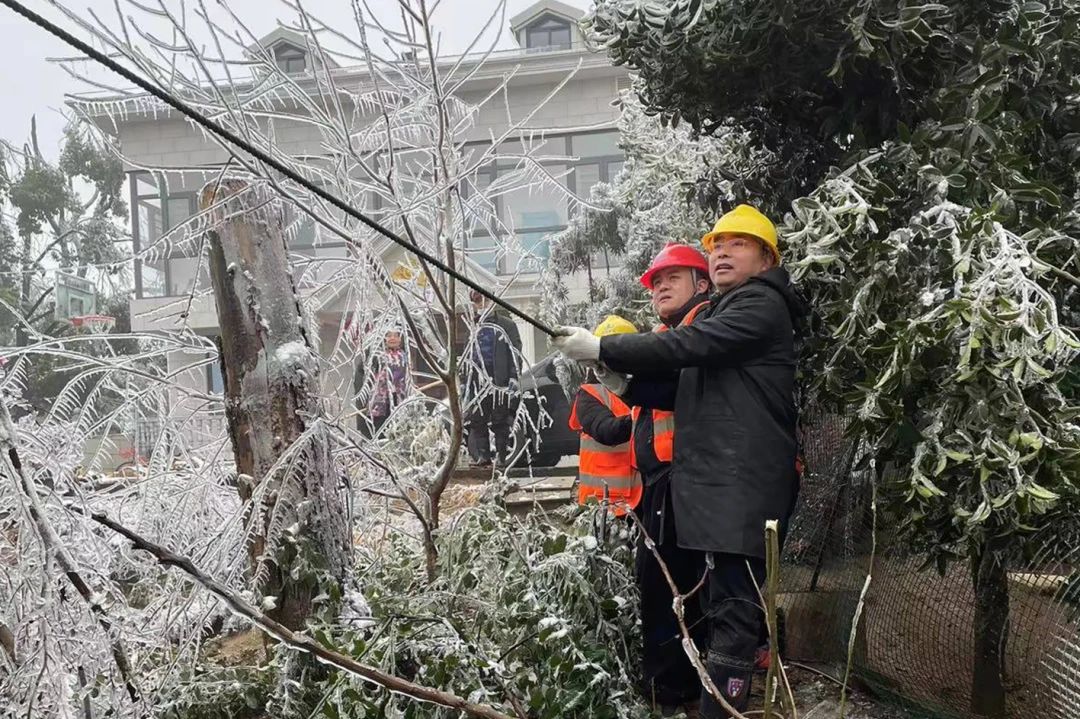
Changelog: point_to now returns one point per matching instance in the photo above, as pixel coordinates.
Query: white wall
(169, 142)
(586, 100)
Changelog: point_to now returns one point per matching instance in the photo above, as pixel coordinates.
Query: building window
(215, 384)
(148, 226)
(596, 144)
(599, 160)
(159, 207)
(290, 59)
(483, 251)
(585, 176)
(548, 33)
(534, 213)
(482, 222)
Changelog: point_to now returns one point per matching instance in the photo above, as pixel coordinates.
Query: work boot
(733, 683)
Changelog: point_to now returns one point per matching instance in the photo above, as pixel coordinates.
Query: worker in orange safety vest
(678, 285)
(603, 419)
(730, 379)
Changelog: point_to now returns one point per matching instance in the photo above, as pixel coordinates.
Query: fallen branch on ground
(296, 641)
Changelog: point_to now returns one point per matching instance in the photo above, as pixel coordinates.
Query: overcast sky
(34, 86)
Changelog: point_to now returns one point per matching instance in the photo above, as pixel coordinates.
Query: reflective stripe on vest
(664, 421)
(604, 470)
(591, 445)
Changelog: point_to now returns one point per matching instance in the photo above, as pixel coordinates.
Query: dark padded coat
(734, 403)
(600, 423)
(507, 345)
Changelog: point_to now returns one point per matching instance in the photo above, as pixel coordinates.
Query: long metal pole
(241, 143)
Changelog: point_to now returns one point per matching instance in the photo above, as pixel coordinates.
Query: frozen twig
(12, 466)
(865, 589)
(687, 643)
(1057, 272)
(297, 641)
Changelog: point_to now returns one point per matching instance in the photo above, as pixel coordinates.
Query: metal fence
(916, 637)
(196, 431)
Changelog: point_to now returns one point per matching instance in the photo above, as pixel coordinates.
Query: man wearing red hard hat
(678, 285)
(734, 441)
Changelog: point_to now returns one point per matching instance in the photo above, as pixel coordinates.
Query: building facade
(168, 160)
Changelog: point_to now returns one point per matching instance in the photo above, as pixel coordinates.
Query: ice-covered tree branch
(13, 467)
(297, 641)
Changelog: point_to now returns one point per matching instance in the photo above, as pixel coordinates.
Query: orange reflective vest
(663, 421)
(603, 470)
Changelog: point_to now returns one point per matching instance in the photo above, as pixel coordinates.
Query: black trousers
(735, 618)
(492, 414)
(669, 677)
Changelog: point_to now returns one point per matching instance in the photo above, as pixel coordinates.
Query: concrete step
(545, 493)
(525, 472)
(473, 475)
(520, 503)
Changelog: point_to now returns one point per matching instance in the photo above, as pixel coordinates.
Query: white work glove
(617, 382)
(577, 343)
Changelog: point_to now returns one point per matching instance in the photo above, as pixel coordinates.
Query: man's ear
(703, 285)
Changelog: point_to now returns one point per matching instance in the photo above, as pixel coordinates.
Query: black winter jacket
(734, 451)
(654, 395)
(598, 422)
(507, 345)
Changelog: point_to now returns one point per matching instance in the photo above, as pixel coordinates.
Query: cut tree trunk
(294, 501)
(991, 628)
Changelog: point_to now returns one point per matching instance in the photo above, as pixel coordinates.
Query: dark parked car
(540, 388)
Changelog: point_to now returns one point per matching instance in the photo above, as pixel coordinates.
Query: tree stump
(294, 503)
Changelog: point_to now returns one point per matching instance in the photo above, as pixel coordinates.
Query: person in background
(496, 353)
(604, 462)
(734, 462)
(392, 380)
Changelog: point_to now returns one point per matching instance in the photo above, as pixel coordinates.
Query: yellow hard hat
(614, 325)
(744, 220)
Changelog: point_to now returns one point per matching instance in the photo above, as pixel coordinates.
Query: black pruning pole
(242, 144)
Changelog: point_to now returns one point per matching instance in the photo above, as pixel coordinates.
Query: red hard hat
(675, 255)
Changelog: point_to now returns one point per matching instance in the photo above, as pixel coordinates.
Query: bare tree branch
(296, 641)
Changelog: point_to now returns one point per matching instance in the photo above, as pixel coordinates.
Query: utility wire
(266, 159)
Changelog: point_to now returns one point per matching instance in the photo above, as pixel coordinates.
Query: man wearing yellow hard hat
(733, 465)
(605, 471)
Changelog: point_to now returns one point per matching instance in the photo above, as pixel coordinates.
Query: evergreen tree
(927, 157)
(65, 215)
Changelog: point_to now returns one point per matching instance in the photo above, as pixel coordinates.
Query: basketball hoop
(93, 324)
